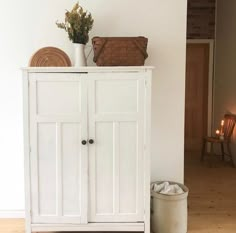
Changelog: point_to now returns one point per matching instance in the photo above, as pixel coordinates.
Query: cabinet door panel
(71, 164)
(59, 97)
(104, 167)
(116, 122)
(47, 168)
(128, 164)
(58, 159)
(116, 96)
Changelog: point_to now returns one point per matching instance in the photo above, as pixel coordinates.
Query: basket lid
(49, 56)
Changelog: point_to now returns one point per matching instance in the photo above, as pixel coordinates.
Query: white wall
(28, 25)
(225, 64)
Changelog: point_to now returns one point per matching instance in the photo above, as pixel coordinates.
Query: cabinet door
(58, 159)
(116, 123)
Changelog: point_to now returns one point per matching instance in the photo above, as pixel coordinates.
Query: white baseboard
(12, 214)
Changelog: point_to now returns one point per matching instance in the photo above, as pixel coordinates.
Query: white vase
(80, 58)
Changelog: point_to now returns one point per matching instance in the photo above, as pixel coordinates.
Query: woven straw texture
(50, 56)
(120, 51)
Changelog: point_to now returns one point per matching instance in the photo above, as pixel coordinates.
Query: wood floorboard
(211, 202)
(212, 196)
(12, 226)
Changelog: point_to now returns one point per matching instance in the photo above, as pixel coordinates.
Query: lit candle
(217, 132)
(222, 123)
(221, 126)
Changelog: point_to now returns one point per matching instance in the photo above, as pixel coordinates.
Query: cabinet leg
(147, 225)
(147, 228)
(28, 229)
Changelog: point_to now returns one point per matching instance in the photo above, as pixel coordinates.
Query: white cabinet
(87, 148)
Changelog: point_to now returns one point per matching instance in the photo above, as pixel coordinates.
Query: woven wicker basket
(49, 56)
(120, 51)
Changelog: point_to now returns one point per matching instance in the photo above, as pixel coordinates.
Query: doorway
(198, 93)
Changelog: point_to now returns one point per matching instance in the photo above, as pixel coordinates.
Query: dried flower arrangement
(77, 24)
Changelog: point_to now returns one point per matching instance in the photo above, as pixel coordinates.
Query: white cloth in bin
(167, 188)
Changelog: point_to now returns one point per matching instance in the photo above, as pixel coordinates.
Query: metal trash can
(169, 211)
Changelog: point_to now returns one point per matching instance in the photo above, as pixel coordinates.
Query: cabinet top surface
(87, 69)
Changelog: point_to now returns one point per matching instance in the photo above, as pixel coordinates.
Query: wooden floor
(212, 198)
(12, 226)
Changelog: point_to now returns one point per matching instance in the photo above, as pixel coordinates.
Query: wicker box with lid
(120, 51)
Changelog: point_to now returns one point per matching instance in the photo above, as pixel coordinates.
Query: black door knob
(84, 142)
(91, 141)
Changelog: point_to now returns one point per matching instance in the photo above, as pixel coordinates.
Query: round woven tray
(49, 56)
